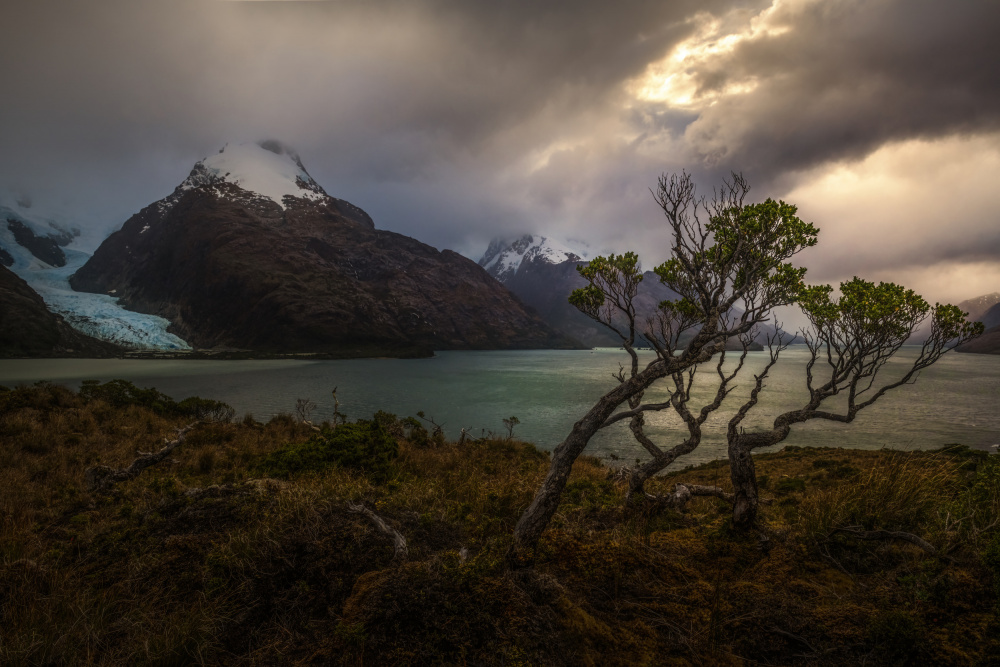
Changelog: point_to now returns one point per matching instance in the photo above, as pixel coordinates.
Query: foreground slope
(28, 329)
(250, 252)
(223, 556)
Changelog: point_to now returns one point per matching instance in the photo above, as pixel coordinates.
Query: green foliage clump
(364, 445)
(416, 433)
(122, 393)
(616, 276)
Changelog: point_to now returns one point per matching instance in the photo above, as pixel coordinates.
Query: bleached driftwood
(400, 552)
(102, 478)
(683, 493)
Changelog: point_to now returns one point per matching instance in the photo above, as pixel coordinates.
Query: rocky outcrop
(45, 248)
(28, 329)
(296, 270)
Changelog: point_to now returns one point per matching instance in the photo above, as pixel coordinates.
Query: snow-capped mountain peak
(268, 169)
(503, 259)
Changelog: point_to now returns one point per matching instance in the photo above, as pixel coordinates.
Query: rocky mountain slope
(978, 307)
(543, 274)
(985, 309)
(990, 317)
(28, 329)
(249, 252)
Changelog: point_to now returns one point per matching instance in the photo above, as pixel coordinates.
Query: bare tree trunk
(641, 475)
(534, 520)
(532, 523)
(745, 493)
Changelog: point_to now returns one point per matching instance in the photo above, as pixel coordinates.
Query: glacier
(97, 315)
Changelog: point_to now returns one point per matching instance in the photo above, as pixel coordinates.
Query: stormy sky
(458, 121)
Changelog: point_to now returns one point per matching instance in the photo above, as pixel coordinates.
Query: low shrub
(122, 393)
(364, 445)
(896, 636)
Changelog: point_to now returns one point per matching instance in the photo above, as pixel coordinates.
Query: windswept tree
(850, 340)
(729, 265)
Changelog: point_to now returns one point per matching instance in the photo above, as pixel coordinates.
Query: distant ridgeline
(542, 273)
(985, 309)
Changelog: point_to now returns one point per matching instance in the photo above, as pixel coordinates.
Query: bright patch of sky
(676, 79)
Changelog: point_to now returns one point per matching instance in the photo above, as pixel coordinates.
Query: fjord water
(955, 401)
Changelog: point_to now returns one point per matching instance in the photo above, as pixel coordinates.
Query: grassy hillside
(241, 548)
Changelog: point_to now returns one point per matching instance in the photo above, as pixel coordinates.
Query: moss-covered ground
(227, 554)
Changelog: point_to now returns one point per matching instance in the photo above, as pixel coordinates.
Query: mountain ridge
(294, 269)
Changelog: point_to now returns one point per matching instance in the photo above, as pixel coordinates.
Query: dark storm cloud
(457, 121)
(370, 93)
(850, 76)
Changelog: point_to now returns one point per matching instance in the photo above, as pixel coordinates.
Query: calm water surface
(957, 400)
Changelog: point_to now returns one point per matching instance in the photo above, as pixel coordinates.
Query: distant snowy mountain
(978, 307)
(542, 273)
(250, 253)
(44, 252)
(503, 258)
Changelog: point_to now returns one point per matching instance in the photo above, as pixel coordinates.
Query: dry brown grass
(195, 562)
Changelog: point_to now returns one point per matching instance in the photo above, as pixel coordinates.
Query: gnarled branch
(102, 478)
(885, 535)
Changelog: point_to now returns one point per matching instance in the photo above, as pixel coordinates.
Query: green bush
(206, 408)
(122, 393)
(364, 445)
(416, 433)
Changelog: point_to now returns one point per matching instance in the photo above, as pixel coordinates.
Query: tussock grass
(897, 492)
(207, 559)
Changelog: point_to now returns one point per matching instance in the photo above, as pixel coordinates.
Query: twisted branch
(102, 478)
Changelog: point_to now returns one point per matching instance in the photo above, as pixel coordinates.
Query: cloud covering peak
(457, 122)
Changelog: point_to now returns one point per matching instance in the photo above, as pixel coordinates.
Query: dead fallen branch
(102, 478)
(885, 535)
(398, 541)
(701, 490)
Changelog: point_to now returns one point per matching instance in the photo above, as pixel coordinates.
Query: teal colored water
(956, 401)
